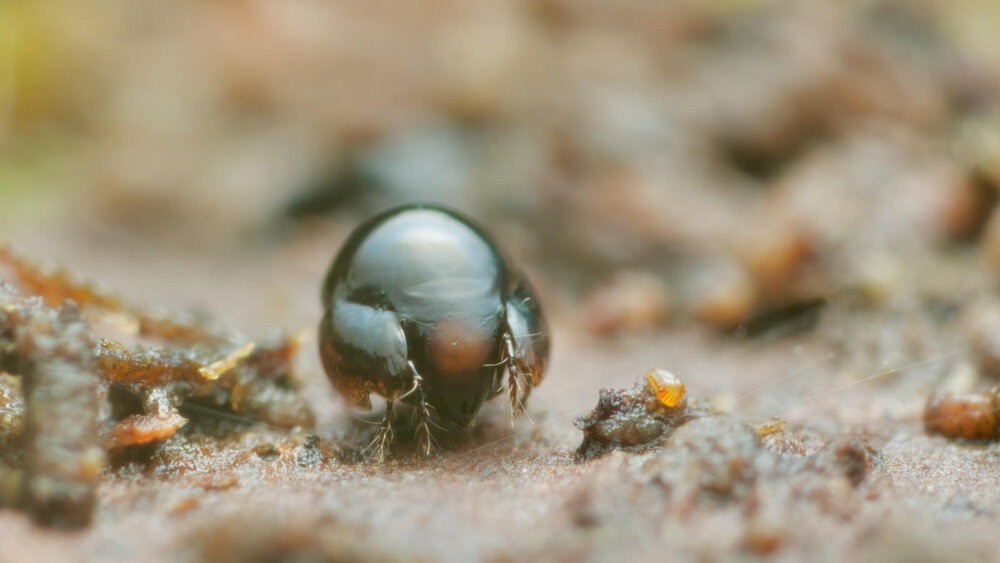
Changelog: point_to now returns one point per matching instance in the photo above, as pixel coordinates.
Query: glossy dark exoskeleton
(420, 306)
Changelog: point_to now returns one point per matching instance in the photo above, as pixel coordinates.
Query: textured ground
(853, 465)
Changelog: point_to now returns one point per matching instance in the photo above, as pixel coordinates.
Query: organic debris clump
(78, 398)
(636, 418)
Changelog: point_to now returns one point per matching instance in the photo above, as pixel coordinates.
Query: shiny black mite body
(421, 307)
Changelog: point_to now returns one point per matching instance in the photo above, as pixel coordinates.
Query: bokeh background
(720, 158)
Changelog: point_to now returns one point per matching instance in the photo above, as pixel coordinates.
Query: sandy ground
(713, 490)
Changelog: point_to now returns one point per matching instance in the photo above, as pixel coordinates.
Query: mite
(421, 307)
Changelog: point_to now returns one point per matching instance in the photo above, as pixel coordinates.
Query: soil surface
(851, 465)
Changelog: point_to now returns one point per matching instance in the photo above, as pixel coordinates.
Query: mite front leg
(377, 448)
(518, 386)
(525, 346)
(423, 412)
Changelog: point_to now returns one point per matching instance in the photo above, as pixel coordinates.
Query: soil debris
(53, 352)
(971, 416)
(636, 418)
(76, 399)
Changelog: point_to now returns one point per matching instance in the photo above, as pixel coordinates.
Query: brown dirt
(852, 465)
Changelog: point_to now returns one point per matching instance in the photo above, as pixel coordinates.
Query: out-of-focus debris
(722, 295)
(789, 319)
(971, 416)
(980, 325)
(53, 352)
(630, 303)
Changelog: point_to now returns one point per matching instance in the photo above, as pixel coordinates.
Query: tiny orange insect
(666, 386)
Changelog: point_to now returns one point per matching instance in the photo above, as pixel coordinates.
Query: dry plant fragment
(249, 379)
(144, 429)
(57, 286)
(629, 303)
(215, 369)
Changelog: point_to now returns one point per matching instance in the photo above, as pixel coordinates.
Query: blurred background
(652, 162)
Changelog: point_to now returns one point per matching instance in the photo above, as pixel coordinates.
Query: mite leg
(423, 413)
(525, 348)
(518, 387)
(377, 448)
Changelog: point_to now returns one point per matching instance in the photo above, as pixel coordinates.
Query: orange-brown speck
(668, 389)
(973, 416)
